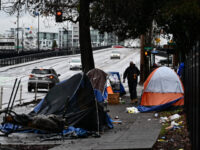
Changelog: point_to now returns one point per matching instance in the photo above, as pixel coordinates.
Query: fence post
(20, 98)
(1, 97)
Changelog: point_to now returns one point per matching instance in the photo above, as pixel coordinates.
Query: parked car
(115, 54)
(41, 78)
(75, 63)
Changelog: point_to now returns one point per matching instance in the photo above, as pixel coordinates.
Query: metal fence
(191, 83)
(26, 57)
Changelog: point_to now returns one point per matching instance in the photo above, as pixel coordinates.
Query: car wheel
(29, 89)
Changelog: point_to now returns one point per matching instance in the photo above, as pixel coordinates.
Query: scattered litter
(162, 140)
(173, 123)
(176, 127)
(117, 121)
(163, 119)
(180, 122)
(174, 117)
(169, 127)
(163, 137)
(149, 119)
(173, 126)
(156, 115)
(132, 110)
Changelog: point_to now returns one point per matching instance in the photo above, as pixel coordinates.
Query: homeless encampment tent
(116, 83)
(70, 103)
(98, 79)
(162, 89)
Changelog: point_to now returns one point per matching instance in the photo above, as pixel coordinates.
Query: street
(61, 66)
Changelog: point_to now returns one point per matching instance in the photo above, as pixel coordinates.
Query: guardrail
(40, 55)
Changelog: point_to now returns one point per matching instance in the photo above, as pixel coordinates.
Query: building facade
(27, 38)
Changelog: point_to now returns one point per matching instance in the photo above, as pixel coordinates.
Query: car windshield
(41, 71)
(115, 52)
(76, 60)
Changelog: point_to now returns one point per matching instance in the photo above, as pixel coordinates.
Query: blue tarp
(98, 95)
(158, 107)
(180, 69)
(8, 127)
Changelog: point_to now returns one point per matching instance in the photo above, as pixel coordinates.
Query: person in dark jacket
(132, 73)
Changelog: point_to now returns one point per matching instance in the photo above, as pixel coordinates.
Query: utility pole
(38, 31)
(22, 39)
(18, 29)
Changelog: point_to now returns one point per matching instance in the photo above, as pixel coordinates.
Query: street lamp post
(18, 30)
(38, 31)
(38, 35)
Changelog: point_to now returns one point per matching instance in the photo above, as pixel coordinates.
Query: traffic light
(59, 16)
(146, 53)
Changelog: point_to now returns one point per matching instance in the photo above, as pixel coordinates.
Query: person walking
(132, 73)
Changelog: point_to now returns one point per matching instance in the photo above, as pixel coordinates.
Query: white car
(115, 54)
(75, 63)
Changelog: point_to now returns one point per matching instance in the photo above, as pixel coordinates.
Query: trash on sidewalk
(132, 110)
(173, 125)
(174, 117)
(163, 119)
(116, 121)
(156, 115)
(162, 140)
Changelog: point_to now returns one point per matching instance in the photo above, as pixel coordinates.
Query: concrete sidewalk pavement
(137, 131)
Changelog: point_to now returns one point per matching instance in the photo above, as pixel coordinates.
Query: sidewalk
(137, 131)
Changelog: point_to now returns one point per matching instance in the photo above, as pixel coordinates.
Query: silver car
(115, 54)
(75, 63)
(42, 79)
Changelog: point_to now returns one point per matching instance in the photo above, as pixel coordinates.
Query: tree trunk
(84, 37)
(142, 59)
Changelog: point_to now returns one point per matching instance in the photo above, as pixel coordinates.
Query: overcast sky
(26, 20)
